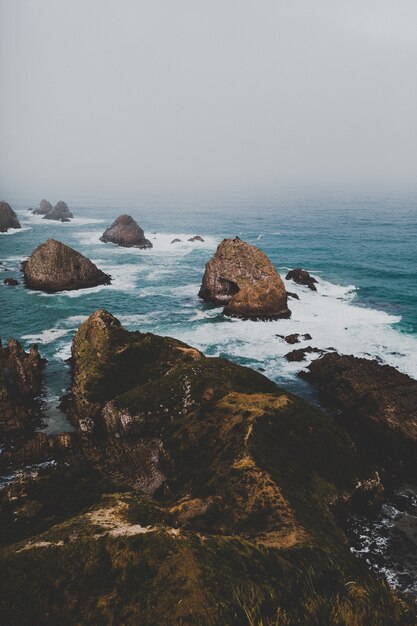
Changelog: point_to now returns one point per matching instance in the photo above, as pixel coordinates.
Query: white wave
(28, 216)
(15, 231)
(46, 336)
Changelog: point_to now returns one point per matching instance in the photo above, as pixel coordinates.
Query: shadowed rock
(11, 281)
(176, 240)
(302, 277)
(8, 218)
(54, 266)
(127, 233)
(60, 213)
(44, 207)
(242, 278)
(196, 238)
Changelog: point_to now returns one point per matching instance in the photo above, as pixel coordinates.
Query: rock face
(54, 266)
(378, 406)
(127, 233)
(60, 213)
(44, 207)
(20, 385)
(302, 277)
(242, 278)
(8, 218)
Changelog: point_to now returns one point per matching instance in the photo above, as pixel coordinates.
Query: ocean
(363, 251)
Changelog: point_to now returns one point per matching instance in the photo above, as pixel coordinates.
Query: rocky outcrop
(196, 238)
(8, 218)
(302, 277)
(12, 282)
(127, 233)
(53, 266)
(300, 354)
(44, 207)
(295, 337)
(377, 405)
(20, 386)
(242, 278)
(60, 213)
(176, 240)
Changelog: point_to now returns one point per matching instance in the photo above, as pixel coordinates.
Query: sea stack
(302, 277)
(54, 266)
(241, 277)
(8, 218)
(44, 207)
(127, 233)
(60, 213)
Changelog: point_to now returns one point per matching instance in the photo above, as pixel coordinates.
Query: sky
(132, 97)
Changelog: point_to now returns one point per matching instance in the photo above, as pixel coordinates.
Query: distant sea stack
(127, 233)
(8, 218)
(44, 207)
(60, 213)
(241, 277)
(54, 266)
(302, 277)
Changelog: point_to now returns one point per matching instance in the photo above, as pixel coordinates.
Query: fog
(164, 96)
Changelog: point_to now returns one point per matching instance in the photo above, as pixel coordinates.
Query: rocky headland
(243, 279)
(53, 266)
(198, 492)
(126, 232)
(8, 218)
(60, 213)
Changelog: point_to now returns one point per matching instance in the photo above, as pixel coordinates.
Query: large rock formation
(44, 207)
(302, 277)
(127, 233)
(20, 385)
(53, 266)
(377, 404)
(242, 278)
(227, 520)
(60, 213)
(8, 218)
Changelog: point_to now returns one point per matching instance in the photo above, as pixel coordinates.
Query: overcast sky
(132, 96)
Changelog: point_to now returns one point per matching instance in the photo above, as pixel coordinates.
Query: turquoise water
(363, 252)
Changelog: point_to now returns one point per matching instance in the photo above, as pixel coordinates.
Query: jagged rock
(8, 218)
(294, 337)
(60, 213)
(127, 233)
(302, 277)
(295, 296)
(242, 476)
(300, 354)
(11, 281)
(176, 240)
(242, 278)
(377, 403)
(53, 266)
(20, 385)
(196, 238)
(44, 207)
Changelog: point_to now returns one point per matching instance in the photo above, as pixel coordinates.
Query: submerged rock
(176, 240)
(44, 207)
(242, 278)
(53, 266)
(127, 233)
(300, 354)
(11, 281)
(302, 277)
(8, 218)
(60, 213)
(378, 406)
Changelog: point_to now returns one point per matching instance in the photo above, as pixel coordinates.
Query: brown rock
(302, 277)
(127, 233)
(300, 354)
(54, 266)
(8, 218)
(242, 278)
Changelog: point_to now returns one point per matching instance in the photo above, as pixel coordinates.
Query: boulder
(44, 207)
(241, 277)
(196, 238)
(127, 233)
(60, 213)
(11, 281)
(53, 266)
(302, 277)
(8, 218)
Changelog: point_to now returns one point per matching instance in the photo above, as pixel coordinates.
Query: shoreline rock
(53, 267)
(126, 232)
(8, 218)
(302, 277)
(241, 277)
